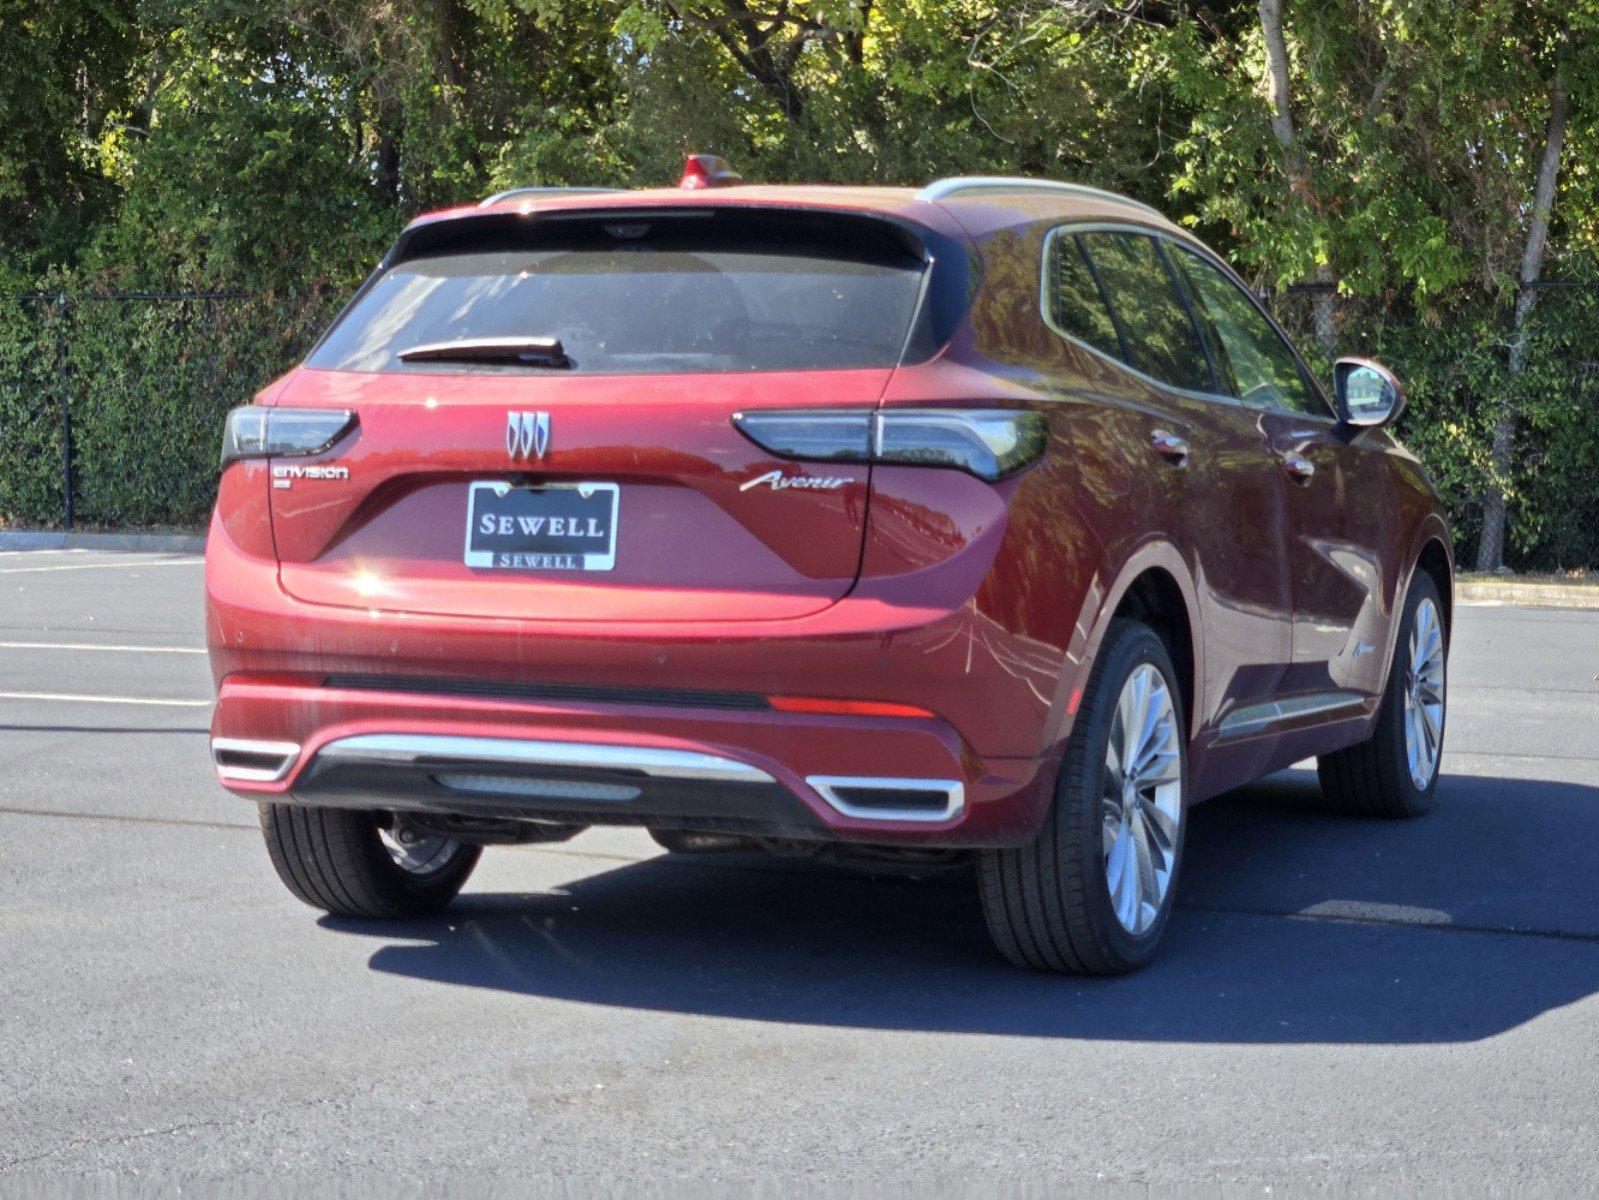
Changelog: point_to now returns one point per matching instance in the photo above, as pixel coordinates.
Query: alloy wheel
(1142, 809)
(1424, 695)
(417, 853)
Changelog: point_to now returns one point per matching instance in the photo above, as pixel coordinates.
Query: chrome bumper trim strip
(418, 749)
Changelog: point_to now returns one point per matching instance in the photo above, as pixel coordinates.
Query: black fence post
(63, 309)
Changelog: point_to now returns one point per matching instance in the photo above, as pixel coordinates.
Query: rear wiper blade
(527, 351)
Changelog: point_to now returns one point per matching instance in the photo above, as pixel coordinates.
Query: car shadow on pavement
(1295, 926)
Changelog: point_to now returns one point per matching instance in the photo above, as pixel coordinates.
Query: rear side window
(1076, 304)
(645, 296)
(1253, 357)
(1160, 336)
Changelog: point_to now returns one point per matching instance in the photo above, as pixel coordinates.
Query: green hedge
(1454, 365)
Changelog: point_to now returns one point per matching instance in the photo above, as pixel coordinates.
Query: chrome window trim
(953, 791)
(1205, 255)
(412, 749)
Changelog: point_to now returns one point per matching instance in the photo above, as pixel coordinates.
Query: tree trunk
(1491, 546)
(1282, 127)
(1282, 113)
(390, 129)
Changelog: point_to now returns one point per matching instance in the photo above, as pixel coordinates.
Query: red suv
(992, 520)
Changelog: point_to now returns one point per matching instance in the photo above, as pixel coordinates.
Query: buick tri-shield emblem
(527, 434)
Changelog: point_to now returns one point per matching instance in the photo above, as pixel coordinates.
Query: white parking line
(93, 646)
(110, 566)
(71, 698)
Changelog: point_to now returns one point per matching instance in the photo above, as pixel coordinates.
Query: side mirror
(1367, 392)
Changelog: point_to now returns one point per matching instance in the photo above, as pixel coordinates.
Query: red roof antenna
(707, 171)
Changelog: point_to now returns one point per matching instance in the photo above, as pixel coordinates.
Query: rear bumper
(866, 779)
(307, 679)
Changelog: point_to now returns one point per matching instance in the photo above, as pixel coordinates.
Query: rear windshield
(645, 296)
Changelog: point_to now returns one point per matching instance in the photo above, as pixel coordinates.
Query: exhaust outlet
(250, 761)
(874, 798)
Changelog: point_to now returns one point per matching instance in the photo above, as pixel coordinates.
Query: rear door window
(1160, 336)
(1253, 356)
(641, 297)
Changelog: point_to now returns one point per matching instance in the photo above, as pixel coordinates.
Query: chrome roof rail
(944, 189)
(542, 191)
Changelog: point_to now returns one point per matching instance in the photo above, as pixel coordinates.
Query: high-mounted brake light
(990, 443)
(707, 171)
(255, 432)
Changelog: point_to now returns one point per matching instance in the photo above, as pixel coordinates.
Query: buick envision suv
(994, 521)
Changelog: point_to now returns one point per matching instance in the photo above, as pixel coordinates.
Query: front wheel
(1394, 772)
(363, 864)
(1091, 894)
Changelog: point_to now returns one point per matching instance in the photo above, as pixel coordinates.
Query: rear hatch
(545, 405)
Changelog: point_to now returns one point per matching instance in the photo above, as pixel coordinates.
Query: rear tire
(1049, 904)
(1378, 777)
(337, 860)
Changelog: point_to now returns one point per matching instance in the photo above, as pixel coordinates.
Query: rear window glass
(1160, 335)
(639, 297)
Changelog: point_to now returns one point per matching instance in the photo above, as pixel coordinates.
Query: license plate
(556, 527)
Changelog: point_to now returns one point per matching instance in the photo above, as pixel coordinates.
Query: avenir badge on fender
(778, 482)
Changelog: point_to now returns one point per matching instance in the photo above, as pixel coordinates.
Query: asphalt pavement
(1340, 1002)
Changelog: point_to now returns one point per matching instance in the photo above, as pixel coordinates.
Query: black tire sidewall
(1129, 645)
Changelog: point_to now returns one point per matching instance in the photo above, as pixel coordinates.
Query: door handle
(1300, 469)
(1169, 446)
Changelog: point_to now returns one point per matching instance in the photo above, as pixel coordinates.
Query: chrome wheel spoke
(1148, 884)
(1110, 824)
(1122, 875)
(1162, 829)
(1115, 773)
(1430, 722)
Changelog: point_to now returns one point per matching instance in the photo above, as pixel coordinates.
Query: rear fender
(1104, 596)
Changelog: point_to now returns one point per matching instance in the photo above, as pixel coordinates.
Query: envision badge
(527, 434)
(284, 476)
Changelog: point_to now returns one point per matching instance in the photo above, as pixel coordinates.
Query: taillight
(256, 432)
(990, 443)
